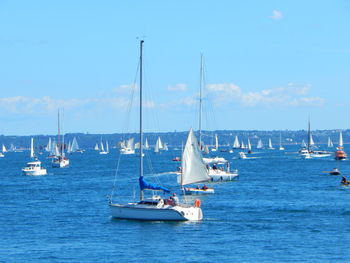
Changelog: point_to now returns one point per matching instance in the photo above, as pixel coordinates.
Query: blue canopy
(144, 185)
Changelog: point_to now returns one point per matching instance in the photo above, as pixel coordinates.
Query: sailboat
(260, 144)
(96, 148)
(193, 169)
(236, 144)
(33, 167)
(249, 146)
(340, 153)
(270, 147)
(4, 148)
(216, 144)
(60, 160)
(281, 148)
(102, 149)
(158, 146)
(311, 152)
(129, 148)
(154, 208)
(330, 143)
(146, 147)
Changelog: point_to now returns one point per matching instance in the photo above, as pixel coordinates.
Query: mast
(141, 133)
(58, 126)
(309, 137)
(200, 102)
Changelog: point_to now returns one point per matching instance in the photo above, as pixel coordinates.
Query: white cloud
(291, 95)
(178, 87)
(276, 15)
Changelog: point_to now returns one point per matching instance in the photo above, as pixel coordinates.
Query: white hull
(145, 212)
(60, 164)
(219, 175)
(2, 155)
(196, 191)
(103, 152)
(127, 151)
(35, 172)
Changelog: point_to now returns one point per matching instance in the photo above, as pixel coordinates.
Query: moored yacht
(33, 167)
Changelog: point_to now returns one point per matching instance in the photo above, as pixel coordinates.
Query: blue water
(281, 209)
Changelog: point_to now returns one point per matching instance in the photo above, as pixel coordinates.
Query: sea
(282, 208)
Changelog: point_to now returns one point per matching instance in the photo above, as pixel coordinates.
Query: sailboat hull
(143, 212)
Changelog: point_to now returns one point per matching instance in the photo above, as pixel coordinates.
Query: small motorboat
(335, 171)
(177, 159)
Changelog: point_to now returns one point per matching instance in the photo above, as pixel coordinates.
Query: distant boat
(281, 148)
(340, 153)
(270, 147)
(236, 144)
(96, 148)
(102, 148)
(129, 148)
(60, 160)
(158, 146)
(249, 146)
(154, 208)
(330, 143)
(193, 169)
(4, 149)
(33, 167)
(216, 148)
(146, 147)
(260, 145)
(311, 152)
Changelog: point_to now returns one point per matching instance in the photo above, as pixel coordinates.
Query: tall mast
(200, 101)
(309, 136)
(58, 125)
(141, 132)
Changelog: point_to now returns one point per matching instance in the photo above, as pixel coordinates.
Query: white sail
(4, 149)
(242, 145)
(96, 147)
(74, 146)
(312, 143)
(146, 144)
(48, 146)
(32, 148)
(249, 145)
(69, 148)
(236, 143)
(303, 144)
(130, 144)
(137, 145)
(270, 144)
(206, 149)
(216, 142)
(158, 146)
(57, 152)
(102, 147)
(330, 143)
(193, 167)
(12, 148)
(340, 139)
(260, 145)
(165, 148)
(107, 147)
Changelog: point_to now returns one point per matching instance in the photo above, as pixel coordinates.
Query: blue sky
(268, 64)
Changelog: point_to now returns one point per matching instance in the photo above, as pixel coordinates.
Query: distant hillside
(226, 137)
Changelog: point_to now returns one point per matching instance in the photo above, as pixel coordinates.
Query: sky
(268, 65)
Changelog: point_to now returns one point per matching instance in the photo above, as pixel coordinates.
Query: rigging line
(129, 107)
(115, 176)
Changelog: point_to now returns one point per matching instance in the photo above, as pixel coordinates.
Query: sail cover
(193, 167)
(147, 186)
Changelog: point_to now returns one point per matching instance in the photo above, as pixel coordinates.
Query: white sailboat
(260, 144)
(311, 152)
(102, 148)
(96, 148)
(281, 148)
(249, 146)
(193, 169)
(129, 148)
(216, 144)
(270, 147)
(236, 144)
(33, 167)
(4, 149)
(146, 147)
(158, 146)
(60, 160)
(330, 143)
(154, 208)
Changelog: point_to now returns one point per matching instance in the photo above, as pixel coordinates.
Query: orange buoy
(197, 203)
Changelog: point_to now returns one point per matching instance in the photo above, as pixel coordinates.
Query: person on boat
(344, 181)
(204, 187)
(215, 167)
(174, 199)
